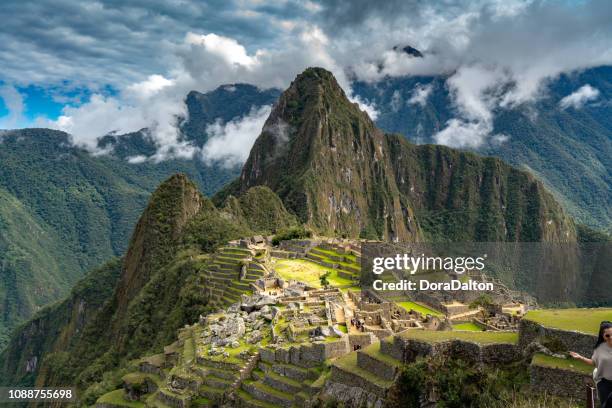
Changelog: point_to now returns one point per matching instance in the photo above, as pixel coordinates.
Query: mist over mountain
(382, 186)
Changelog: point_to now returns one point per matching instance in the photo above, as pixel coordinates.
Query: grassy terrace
(487, 337)
(582, 320)
(116, 398)
(350, 259)
(373, 350)
(467, 327)
(570, 364)
(308, 272)
(348, 363)
(419, 308)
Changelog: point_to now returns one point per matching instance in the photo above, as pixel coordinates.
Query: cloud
(365, 105)
(230, 143)
(203, 62)
(13, 101)
(458, 133)
(420, 94)
(396, 101)
(155, 52)
(580, 97)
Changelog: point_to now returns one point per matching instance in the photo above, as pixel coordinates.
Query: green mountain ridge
(341, 175)
(64, 211)
(570, 150)
(157, 289)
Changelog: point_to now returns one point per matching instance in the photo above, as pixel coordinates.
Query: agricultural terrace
(582, 320)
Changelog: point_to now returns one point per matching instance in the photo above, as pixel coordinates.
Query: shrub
(291, 233)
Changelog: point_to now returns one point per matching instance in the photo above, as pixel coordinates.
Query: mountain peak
(171, 206)
(323, 156)
(413, 52)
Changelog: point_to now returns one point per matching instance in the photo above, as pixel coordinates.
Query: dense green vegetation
(160, 289)
(569, 150)
(64, 211)
(57, 327)
(460, 384)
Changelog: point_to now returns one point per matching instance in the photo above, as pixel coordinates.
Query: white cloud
(366, 106)
(228, 49)
(13, 101)
(396, 100)
(203, 63)
(137, 159)
(459, 133)
(496, 54)
(420, 94)
(230, 143)
(580, 97)
(475, 92)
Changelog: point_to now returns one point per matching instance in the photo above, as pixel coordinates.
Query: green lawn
(308, 272)
(349, 364)
(582, 320)
(116, 398)
(544, 360)
(467, 327)
(419, 308)
(483, 337)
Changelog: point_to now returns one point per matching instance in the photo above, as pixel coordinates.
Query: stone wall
(482, 354)
(377, 367)
(346, 377)
(351, 396)
(559, 382)
(309, 355)
(573, 341)
(362, 340)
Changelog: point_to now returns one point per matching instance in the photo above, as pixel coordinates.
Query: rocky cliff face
(341, 175)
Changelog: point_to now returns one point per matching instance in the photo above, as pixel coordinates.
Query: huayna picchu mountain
(341, 175)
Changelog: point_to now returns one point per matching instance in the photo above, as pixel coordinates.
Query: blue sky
(94, 67)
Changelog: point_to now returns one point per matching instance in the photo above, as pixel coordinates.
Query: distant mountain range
(570, 149)
(63, 211)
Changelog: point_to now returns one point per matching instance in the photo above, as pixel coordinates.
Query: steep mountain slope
(63, 211)
(568, 149)
(158, 287)
(340, 174)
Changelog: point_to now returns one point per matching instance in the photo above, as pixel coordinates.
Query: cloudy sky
(94, 67)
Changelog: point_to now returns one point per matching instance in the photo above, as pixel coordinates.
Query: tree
(323, 279)
(485, 302)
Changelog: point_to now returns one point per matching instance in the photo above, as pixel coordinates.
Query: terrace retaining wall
(530, 331)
